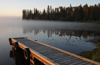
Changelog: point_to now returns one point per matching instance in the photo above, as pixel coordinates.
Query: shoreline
(66, 21)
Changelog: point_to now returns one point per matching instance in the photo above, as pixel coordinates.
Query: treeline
(78, 13)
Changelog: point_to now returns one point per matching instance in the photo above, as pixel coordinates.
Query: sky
(15, 7)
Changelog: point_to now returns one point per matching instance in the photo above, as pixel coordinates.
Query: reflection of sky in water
(72, 37)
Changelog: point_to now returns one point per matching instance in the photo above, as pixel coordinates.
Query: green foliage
(94, 54)
(87, 54)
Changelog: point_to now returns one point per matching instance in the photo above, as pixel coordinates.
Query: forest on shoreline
(77, 13)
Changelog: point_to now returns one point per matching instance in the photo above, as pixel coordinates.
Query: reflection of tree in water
(63, 32)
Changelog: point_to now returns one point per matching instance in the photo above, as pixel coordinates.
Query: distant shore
(79, 13)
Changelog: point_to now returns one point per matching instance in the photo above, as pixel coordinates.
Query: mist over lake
(70, 36)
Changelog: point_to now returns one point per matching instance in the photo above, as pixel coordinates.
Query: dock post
(10, 41)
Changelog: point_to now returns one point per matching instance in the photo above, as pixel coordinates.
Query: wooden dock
(47, 54)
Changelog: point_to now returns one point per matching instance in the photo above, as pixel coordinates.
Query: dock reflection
(19, 59)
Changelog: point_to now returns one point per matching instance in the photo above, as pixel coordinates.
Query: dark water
(69, 36)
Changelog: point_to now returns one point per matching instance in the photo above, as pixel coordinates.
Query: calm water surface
(69, 36)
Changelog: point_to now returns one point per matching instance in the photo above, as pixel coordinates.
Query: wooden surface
(54, 55)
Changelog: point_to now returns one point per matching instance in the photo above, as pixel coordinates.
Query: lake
(70, 36)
